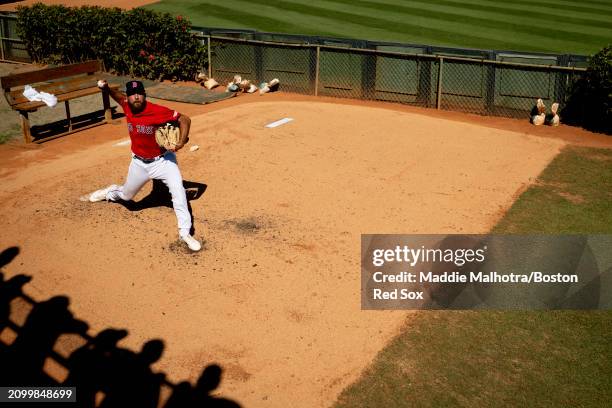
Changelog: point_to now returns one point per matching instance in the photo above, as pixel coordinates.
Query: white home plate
(279, 122)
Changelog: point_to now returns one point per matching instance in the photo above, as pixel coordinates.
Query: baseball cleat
(554, 108)
(100, 195)
(541, 106)
(192, 243)
(538, 119)
(210, 83)
(264, 88)
(244, 85)
(555, 121)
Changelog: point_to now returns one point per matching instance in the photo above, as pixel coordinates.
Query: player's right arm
(117, 95)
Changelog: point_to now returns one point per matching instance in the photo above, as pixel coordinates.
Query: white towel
(33, 95)
(49, 99)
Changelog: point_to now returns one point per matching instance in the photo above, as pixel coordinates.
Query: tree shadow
(105, 375)
(11, 288)
(201, 395)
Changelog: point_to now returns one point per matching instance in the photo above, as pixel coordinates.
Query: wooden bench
(65, 82)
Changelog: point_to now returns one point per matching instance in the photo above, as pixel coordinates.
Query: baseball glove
(168, 136)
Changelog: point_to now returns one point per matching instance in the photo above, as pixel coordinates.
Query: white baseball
(101, 83)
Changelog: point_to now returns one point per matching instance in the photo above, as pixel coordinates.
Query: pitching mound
(274, 296)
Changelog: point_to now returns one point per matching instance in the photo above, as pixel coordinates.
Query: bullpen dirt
(274, 297)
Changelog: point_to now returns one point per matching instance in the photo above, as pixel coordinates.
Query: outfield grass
(573, 195)
(492, 359)
(517, 359)
(544, 26)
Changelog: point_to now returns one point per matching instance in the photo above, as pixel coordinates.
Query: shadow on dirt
(104, 374)
(77, 122)
(160, 197)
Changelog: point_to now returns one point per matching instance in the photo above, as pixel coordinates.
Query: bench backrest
(48, 74)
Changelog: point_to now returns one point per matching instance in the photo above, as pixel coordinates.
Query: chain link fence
(499, 83)
(294, 65)
(505, 86)
(11, 47)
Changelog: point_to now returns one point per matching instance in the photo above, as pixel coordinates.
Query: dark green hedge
(137, 42)
(590, 102)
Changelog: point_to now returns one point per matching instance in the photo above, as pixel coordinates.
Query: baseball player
(149, 160)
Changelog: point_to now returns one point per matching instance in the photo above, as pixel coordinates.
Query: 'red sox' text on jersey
(142, 127)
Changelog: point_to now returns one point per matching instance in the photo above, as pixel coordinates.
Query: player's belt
(145, 160)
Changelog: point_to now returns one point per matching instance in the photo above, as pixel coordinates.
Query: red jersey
(142, 127)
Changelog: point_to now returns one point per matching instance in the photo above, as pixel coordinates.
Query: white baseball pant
(164, 168)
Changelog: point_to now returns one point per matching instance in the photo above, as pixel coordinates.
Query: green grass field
(576, 27)
(510, 359)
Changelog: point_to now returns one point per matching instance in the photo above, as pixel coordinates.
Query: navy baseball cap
(134, 87)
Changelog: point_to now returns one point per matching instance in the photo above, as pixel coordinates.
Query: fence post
(209, 57)
(2, 37)
(439, 97)
(491, 78)
(423, 81)
(316, 90)
(368, 76)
